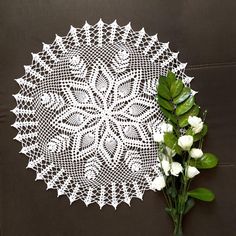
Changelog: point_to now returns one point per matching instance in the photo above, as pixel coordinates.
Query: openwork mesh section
(86, 112)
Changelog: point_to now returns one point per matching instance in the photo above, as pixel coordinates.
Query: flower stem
(178, 226)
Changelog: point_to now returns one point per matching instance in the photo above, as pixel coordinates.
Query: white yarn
(86, 112)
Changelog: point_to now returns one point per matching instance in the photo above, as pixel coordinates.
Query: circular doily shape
(86, 112)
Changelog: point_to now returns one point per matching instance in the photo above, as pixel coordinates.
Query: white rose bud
(158, 183)
(185, 142)
(194, 120)
(192, 171)
(196, 153)
(166, 128)
(198, 128)
(196, 124)
(158, 137)
(165, 166)
(176, 168)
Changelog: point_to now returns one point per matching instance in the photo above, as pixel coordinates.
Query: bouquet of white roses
(179, 142)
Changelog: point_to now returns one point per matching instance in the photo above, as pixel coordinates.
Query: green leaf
(176, 88)
(183, 120)
(163, 91)
(207, 161)
(200, 135)
(169, 115)
(185, 93)
(202, 194)
(163, 80)
(171, 141)
(171, 78)
(165, 104)
(185, 106)
(190, 132)
(189, 205)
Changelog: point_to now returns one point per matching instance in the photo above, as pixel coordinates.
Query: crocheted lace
(86, 112)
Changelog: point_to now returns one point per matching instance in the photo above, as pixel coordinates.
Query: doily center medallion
(86, 112)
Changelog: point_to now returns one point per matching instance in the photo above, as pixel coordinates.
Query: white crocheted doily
(86, 112)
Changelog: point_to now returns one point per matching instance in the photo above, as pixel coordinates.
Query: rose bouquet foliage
(179, 142)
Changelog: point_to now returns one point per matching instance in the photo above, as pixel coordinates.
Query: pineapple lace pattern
(86, 112)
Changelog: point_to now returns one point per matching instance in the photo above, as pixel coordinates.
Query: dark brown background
(204, 33)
